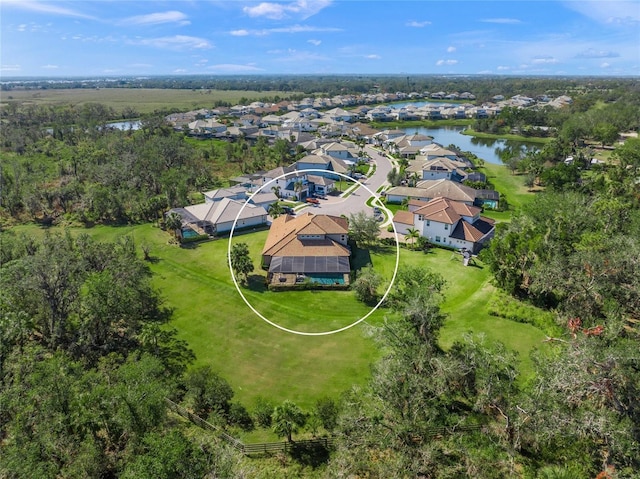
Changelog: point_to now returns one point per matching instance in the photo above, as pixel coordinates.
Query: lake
(484, 148)
(125, 125)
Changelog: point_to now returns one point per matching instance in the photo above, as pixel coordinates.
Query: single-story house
(218, 217)
(426, 190)
(448, 223)
(437, 168)
(206, 128)
(307, 247)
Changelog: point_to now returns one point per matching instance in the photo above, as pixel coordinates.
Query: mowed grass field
(261, 360)
(143, 100)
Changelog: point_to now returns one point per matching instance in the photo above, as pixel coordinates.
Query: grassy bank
(506, 136)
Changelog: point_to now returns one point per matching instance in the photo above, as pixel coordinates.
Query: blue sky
(122, 38)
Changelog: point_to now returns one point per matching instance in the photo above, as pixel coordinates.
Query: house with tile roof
(426, 190)
(446, 222)
(311, 247)
(217, 217)
(437, 168)
(329, 164)
(289, 180)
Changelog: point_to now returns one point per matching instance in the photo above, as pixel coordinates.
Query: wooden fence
(326, 443)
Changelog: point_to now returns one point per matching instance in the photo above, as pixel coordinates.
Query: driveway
(356, 201)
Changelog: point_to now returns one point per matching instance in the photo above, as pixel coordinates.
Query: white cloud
(314, 42)
(231, 68)
(277, 11)
(22, 27)
(293, 55)
(605, 65)
(10, 68)
(290, 29)
(176, 42)
(446, 62)
(49, 67)
(179, 70)
(593, 53)
(451, 49)
(544, 60)
(612, 12)
(172, 16)
(42, 7)
(503, 68)
(503, 21)
(416, 24)
(373, 57)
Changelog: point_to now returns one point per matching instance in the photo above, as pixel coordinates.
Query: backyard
(260, 360)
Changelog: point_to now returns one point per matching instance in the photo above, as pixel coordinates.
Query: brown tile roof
(448, 189)
(444, 210)
(403, 217)
(283, 236)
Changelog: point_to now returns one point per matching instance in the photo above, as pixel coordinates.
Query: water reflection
(487, 149)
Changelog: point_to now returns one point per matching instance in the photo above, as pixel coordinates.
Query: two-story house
(448, 223)
(307, 247)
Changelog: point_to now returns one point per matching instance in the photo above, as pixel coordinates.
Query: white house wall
(242, 223)
(434, 230)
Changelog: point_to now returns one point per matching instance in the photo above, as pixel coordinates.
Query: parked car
(315, 201)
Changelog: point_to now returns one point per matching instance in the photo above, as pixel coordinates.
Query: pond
(484, 148)
(125, 125)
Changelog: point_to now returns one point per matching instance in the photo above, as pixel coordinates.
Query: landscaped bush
(504, 306)
(194, 239)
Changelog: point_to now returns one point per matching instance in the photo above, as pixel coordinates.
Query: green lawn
(506, 136)
(512, 185)
(260, 360)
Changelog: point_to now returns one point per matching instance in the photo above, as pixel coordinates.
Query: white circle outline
(321, 333)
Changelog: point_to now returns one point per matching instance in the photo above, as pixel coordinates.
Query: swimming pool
(326, 278)
(188, 233)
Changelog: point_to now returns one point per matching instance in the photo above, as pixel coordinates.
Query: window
(437, 239)
(428, 223)
(446, 226)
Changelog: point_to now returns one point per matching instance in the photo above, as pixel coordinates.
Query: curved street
(356, 201)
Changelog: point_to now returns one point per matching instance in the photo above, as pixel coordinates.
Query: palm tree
(412, 234)
(275, 210)
(276, 190)
(298, 186)
(413, 179)
(173, 222)
(287, 418)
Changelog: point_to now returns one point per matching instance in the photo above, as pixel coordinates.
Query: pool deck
(289, 279)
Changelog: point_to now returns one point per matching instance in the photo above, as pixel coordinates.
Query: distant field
(258, 359)
(142, 100)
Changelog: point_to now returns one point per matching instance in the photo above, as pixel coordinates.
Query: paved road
(356, 201)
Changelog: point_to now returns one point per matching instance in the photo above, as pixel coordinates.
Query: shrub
(193, 239)
(262, 412)
(504, 306)
(239, 416)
